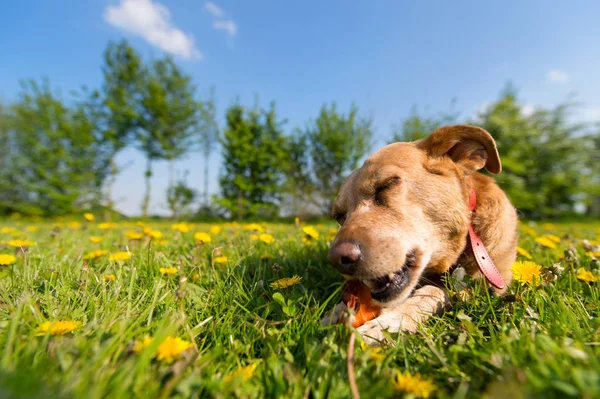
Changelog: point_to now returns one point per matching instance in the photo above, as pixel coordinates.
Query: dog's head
(405, 211)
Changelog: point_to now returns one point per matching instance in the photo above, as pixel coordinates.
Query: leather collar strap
(485, 263)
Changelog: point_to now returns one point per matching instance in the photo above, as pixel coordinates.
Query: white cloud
(228, 26)
(590, 114)
(558, 76)
(214, 9)
(152, 21)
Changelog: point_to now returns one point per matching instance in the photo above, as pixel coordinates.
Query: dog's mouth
(388, 287)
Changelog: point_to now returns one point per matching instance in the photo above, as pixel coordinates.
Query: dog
(405, 218)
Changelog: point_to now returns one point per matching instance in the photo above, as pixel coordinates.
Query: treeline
(58, 156)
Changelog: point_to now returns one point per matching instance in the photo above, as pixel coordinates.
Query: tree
(115, 108)
(180, 196)
(54, 152)
(336, 143)
(544, 155)
(208, 136)
(254, 161)
(167, 118)
(416, 127)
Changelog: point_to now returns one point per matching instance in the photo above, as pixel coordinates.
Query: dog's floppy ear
(470, 147)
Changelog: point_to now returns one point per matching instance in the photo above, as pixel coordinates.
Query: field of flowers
(154, 309)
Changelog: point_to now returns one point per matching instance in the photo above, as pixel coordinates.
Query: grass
(248, 339)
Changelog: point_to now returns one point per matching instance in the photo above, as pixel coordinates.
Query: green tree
(180, 196)
(167, 118)
(336, 142)
(54, 151)
(254, 155)
(417, 126)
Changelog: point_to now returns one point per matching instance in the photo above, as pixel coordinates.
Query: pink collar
(485, 263)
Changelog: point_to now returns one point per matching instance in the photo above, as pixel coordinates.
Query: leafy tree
(416, 127)
(336, 144)
(254, 161)
(54, 150)
(180, 196)
(115, 108)
(167, 118)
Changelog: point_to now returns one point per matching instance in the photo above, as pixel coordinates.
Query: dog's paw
(373, 331)
(337, 315)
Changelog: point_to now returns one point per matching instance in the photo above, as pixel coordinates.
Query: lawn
(211, 310)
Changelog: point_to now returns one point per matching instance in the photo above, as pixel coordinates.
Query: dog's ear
(470, 147)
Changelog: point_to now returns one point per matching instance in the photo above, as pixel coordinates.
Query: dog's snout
(344, 256)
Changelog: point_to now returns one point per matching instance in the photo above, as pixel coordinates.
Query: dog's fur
(413, 198)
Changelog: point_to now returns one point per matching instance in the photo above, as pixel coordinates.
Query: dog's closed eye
(340, 218)
(381, 189)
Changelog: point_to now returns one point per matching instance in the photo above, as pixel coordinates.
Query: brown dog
(404, 219)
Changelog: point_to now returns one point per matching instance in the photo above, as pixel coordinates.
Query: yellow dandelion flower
(31, 229)
(75, 225)
(109, 277)
(181, 227)
(254, 227)
(215, 229)
(254, 237)
(7, 230)
(548, 226)
(21, 243)
(155, 234)
(6, 259)
(311, 232)
(374, 353)
(523, 252)
(243, 373)
(142, 344)
(133, 235)
(586, 275)
(89, 216)
(286, 282)
(96, 239)
(168, 270)
(95, 254)
(171, 349)
(107, 226)
(202, 237)
(553, 237)
(296, 220)
(413, 384)
(195, 277)
(162, 242)
(140, 224)
(119, 256)
(525, 271)
(17, 234)
(545, 242)
(267, 238)
(58, 327)
(221, 259)
(528, 230)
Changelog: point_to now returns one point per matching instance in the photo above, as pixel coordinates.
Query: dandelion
(181, 227)
(133, 235)
(119, 256)
(528, 230)
(195, 277)
(155, 234)
(553, 237)
(266, 238)
(7, 230)
(109, 277)
(544, 241)
(215, 229)
(107, 226)
(523, 252)
(162, 242)
(95, 254)
(89, 217)
(75, 225)
(6, 260)
(143, 344)
(254, 227)
(586, 275)
(57, 327)
(220, 259)
(168, 270)
(96, 239)
(31, 229)
(21, 243)
(286, 282)
(171, 349)
(311, 232)
(243, 373)
(525, 271)
(374, 353)
(413, 384)
(202, 237)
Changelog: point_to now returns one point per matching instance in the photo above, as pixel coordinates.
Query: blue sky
(383, 55)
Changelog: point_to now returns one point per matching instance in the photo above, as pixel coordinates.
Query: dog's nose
(344, 256)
